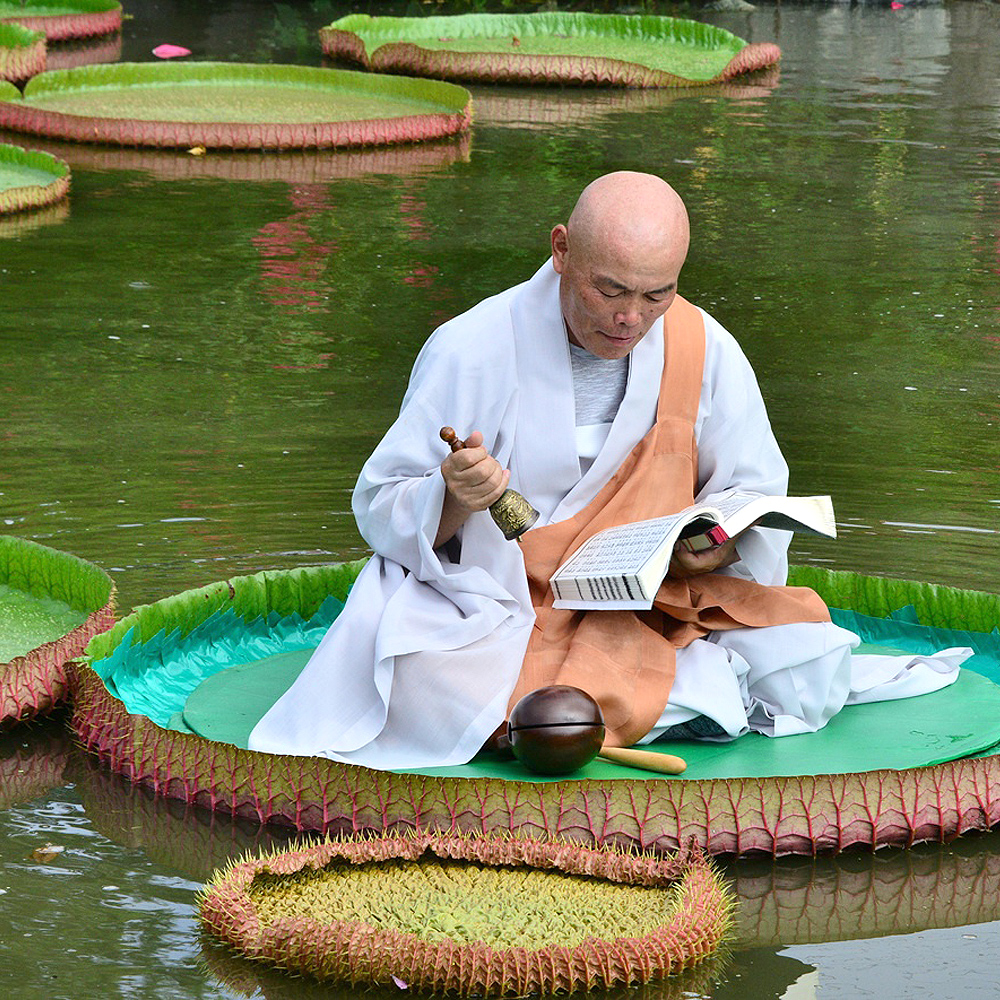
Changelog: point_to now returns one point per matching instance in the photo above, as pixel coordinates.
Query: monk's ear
(560, 247)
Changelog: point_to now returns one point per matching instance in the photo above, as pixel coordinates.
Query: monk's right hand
(473, 477)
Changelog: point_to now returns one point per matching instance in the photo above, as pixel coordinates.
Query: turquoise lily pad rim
(62, 19)
(440, 109)
(394, 44)
(17, 197)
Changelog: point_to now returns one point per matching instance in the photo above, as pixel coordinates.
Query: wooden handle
(646, 760)
(450, 438)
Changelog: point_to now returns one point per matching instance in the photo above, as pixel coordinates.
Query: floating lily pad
(484, 916)
(631, 50)
(30, 179)
(235, 106)
(22, 52)
(132, 695)
(58, 19)
(51, 605)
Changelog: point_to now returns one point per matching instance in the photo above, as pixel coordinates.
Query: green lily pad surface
(51, 605)
(60, 19)
(30, 179)
(565, 47)
(231, 105)
(30, 621)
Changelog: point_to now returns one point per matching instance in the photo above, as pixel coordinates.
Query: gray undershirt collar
(598, 386)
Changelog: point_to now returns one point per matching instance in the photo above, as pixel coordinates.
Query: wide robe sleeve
(737, 448)
(426, 634)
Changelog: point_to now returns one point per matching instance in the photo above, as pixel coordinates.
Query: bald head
(634, 213)
(619, 258)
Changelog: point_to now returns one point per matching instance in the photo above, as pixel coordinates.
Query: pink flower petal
(166, 51)
(399, 982)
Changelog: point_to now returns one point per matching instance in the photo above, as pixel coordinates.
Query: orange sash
(627, 659)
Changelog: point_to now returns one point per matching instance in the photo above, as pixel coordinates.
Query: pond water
(196, 355)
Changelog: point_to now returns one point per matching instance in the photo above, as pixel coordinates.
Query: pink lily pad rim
(22, 53)
(68, 18)
(696, 915)
(440, 109)
(35, 683)
(18, 198)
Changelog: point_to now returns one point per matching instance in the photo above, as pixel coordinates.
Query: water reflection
(544, 108)
(84, 52)
(177, 408)
(293, 167)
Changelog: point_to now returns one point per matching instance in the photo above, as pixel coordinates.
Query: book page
(732, 501)
(619, 551)
(812, 514)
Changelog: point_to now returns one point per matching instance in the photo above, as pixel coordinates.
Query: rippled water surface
(197, 353)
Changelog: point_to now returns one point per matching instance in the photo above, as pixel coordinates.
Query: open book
(622, 567)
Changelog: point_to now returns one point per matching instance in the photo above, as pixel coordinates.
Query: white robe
(418, 669)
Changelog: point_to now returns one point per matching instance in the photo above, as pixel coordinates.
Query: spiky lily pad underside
(780, 815)
(496, 916)
(51, 605)
(30, 179)
(59, 19)
(630, 50)
(827, 899)
(22, 52)
(235, 106)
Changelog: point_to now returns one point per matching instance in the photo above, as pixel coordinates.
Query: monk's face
(612, 292)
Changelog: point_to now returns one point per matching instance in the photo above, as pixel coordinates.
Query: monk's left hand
(685, 564)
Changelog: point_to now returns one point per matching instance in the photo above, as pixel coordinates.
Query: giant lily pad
(51, 605)
(234, 106)
(22, 52)
(632, 50)
(132, 697)
(483, 916)
(58, 19)
(30, 179)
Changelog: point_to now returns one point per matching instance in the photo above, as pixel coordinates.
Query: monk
(604, 397)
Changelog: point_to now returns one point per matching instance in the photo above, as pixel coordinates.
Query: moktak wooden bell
(559, 729)
(556, 730)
